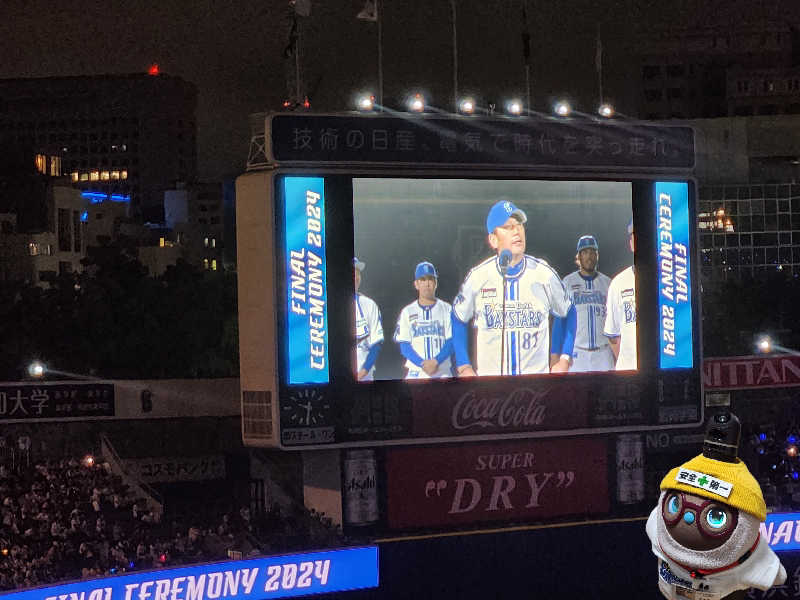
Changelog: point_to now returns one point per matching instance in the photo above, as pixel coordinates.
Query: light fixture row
(415, 103)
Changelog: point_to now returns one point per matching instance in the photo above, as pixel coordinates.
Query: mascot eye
(716, 518)
(673, 504)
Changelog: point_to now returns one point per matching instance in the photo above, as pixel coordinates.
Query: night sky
(233, 51)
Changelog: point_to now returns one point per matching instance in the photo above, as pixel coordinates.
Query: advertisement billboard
(528, 480)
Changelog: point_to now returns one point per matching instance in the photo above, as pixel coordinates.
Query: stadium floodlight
(366, 102)
(36, 369)
(416, 103)
(466, 106)
(764, 344)
(562, 108)
(606, 110)
(514, 107)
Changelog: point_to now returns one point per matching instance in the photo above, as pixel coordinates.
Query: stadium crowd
(72, 518)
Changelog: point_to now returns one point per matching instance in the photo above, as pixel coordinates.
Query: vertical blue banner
(306, 287)
(674, 275)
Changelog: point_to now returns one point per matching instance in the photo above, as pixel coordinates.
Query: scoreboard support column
(258, 347)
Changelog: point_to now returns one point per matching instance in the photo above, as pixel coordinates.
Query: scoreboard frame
(344, 413)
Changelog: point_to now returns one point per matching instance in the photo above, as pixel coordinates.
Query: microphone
(505, 259)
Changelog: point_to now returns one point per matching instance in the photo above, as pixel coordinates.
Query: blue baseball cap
(425, 268)
(501, 212)
(587, 241)
(358, 264)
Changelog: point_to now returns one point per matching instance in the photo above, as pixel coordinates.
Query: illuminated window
(55, 166)
(214, 264)
(161, 242)
(104, 175)
(33, 248)
(213, 242)
(123, 174)
(74, 175)
(94, 176)
(84, 177)
(205, 242)
(41, 163)
(205, 263)
(114, 174)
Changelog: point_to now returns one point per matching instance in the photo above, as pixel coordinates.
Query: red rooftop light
(153, 70)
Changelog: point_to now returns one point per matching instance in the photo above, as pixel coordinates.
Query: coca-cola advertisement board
(480, 483)
(501, 407)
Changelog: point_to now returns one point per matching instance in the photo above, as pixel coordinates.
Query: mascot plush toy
(705, 528)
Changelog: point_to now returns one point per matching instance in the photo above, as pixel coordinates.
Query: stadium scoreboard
(385, 193)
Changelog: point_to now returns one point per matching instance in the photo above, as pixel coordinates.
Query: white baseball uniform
(591, 351)
(427, 329)
(369, 330)
(621, 318)
(533, 291)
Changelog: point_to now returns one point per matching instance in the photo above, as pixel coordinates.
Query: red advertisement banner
(748, 372)
(503, 406)
(514, 481)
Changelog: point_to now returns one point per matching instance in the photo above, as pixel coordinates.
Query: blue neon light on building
(674, 275)
(253, 579)
(306, 283)
(98, 197)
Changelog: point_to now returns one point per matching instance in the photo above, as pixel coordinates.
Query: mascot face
(695, 522)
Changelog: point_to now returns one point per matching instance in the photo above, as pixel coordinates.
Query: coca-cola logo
(523, 407)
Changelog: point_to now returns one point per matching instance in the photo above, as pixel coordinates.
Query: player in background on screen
(509, 299)
(369, 329)
(424, 330)
(620, 326)
(588, 290)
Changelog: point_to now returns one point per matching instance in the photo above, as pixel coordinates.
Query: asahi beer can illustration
(630, 468)
(360, 487)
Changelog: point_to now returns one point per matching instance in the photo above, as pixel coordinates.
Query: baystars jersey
(369, 329)
(533, 291)
(426, 328)
(589, 294)
(621, 317)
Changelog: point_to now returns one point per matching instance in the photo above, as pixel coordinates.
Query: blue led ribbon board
(306, 291)
(782, 531)
(253, 579)
(674, 275)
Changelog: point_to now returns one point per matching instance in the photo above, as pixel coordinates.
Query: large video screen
(432, 308)
(462, 277)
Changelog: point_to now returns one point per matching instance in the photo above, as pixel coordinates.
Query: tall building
(121, 137)
(195, 213)
(748, 172)
(752, 68)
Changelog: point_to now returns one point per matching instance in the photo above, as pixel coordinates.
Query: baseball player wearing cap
(620, 325)
(424, 330)
(588, 289)
(369, 329)
(508, 298)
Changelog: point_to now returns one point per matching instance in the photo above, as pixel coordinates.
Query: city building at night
(748, 172)
(719, 71)
(120, 136)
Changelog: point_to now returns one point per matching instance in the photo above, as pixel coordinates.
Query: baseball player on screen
(620, 325)
(424, 330)
(369, 329)
(588, 289)
(508, 298)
